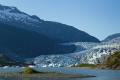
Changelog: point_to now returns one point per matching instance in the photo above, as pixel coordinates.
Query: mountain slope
(57, 31)
(112, 37)
(27, 43)
(6, 61)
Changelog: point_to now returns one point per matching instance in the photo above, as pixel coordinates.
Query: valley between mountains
(26, 38)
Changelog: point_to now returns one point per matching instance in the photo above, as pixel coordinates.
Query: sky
(99, 18)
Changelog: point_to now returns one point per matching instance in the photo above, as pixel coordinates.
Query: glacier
(86, 52)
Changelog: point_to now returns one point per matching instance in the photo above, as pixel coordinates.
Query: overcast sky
(99, 18)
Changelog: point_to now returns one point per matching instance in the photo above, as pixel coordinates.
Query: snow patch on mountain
(11, 14)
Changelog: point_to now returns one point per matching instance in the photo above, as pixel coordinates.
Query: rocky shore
(112, 62)
(44, 75)
(104, 66)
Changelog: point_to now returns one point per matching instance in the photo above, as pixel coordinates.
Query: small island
(29, 72)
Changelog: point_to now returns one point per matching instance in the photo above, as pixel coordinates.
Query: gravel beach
(44, 75)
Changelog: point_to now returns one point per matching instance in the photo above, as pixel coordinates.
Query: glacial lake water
(100, 74)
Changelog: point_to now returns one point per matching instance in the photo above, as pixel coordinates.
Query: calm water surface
(100, 74)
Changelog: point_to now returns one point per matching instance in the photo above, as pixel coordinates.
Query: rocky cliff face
(112, 62)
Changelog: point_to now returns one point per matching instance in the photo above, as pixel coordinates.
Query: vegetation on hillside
(113, 60)
(6, 61)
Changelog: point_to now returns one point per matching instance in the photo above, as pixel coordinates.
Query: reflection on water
(100, 74)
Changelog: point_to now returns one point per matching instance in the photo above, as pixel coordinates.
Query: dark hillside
(28, 44)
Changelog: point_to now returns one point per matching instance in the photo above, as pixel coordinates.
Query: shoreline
(44, 75)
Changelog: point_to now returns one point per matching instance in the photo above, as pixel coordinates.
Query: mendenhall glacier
(86, 52)
(88, 48)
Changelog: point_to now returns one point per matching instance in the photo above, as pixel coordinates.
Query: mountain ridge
(110, 37)
(57, 31)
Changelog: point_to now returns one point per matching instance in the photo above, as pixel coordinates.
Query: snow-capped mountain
(12, 14)
(86, 52)
(57, 31)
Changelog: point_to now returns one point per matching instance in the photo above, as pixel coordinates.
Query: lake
(100, 74)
